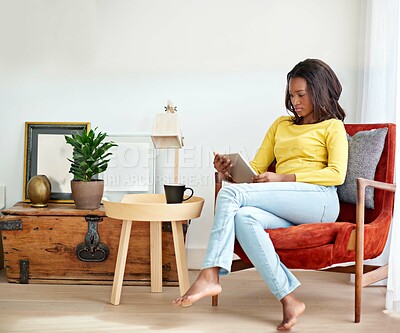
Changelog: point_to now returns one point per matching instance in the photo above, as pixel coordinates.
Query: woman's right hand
(222, 164)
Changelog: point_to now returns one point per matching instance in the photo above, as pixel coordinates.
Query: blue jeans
(245, 210)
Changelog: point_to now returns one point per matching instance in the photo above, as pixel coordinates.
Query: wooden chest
(61, 244)
(1, 254)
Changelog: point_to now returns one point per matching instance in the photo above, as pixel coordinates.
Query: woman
(310, 149)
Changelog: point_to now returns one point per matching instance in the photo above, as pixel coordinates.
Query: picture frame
(131, 168)
(46, 152)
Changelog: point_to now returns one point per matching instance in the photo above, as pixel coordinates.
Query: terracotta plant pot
(87, 195)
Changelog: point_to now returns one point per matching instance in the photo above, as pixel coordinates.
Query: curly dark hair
(324, 89)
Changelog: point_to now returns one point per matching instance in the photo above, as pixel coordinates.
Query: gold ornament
(39, 190)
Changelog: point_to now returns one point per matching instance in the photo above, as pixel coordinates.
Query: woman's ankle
(210, 274)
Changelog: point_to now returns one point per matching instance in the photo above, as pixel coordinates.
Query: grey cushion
(365, 150)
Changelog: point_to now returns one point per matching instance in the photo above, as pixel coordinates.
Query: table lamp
(166, 133)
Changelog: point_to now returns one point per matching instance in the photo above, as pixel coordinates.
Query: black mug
(174, 193)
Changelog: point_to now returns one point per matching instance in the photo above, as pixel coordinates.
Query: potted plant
(89, 158)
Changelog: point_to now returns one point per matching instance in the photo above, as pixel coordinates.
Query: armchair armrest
(219, 179)
(362, 184)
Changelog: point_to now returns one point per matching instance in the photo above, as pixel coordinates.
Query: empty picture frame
(131, 168)
(46, 153)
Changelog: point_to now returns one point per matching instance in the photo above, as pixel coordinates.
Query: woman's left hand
(273, 177)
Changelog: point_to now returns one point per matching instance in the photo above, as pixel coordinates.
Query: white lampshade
(166, 131)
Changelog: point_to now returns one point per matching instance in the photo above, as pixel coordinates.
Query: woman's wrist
(289, 178)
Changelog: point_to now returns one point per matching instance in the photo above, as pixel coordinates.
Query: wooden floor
(245, 306)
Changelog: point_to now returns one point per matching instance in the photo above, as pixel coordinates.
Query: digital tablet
(241, 172)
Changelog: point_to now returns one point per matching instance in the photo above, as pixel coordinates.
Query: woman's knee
(245, 216)
(255, 217)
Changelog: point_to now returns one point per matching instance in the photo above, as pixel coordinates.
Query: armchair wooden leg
(214, 300)
(358, 297)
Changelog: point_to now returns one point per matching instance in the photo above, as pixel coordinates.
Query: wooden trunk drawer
(44, 241)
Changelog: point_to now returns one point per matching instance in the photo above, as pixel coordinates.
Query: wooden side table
(154, 209)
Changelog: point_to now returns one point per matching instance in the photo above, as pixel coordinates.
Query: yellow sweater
(315, 153)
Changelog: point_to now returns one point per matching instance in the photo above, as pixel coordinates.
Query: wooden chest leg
(156, 256)
(180, 254)
(121, 261)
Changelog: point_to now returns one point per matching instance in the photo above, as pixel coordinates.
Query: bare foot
(206, 284)
(292, 309)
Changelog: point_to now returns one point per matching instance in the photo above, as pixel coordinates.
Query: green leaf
(89, 153)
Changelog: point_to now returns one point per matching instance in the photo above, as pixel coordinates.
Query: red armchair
(323, 245)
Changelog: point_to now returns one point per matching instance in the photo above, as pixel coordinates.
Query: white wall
(116, 62)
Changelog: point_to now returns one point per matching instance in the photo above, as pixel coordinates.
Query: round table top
(153, 207)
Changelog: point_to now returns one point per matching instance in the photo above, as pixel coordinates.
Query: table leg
(121, 261)
(180, 255)
(156, 256)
